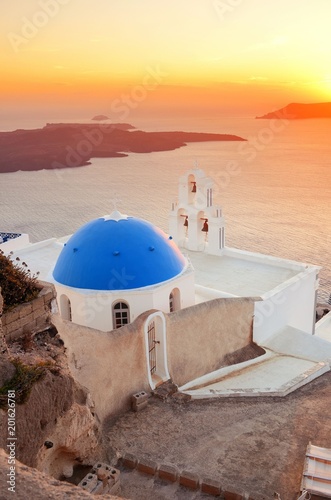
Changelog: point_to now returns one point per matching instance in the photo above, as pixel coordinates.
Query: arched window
(65, 307)
(171, 302)
(174, 300)
(121, 314)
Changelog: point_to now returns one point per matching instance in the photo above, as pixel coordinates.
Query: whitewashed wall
(94, 309)
(292, 303)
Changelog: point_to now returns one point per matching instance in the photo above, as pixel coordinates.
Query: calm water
(275, 191)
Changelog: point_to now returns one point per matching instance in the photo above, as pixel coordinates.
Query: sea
(275, 189)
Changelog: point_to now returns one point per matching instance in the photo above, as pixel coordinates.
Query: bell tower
(195, 223)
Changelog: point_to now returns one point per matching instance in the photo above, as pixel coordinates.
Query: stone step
(165, 390)
(145, 479)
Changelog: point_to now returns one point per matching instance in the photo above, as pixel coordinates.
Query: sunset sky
(82, 56)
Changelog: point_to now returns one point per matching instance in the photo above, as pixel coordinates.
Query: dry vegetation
(17, 283)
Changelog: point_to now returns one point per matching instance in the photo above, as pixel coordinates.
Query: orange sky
(74, 56)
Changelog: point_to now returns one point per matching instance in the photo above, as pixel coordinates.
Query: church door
(152, 347)
(156, 349)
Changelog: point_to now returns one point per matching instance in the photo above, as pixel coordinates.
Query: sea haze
(275, 189)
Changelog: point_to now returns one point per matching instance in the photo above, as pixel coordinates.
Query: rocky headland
(299, 111)
(73, 145)
(99, 118)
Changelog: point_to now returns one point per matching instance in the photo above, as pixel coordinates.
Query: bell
(186, 222)
(194, 188)
(205, 226)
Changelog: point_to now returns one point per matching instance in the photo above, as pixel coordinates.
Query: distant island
(100, 118)
(297, 111)
(63, 145)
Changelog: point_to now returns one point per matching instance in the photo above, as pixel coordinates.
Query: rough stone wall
(201, 336)
(31, 483)
(31, 316)
(57, 410)
(3, 344)
(112, 365)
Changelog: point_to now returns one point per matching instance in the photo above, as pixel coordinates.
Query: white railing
(8, 236)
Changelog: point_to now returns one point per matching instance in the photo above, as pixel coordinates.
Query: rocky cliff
(72, 145)
(30, 483)
(297, 111)
(49, 419)
(48, 406)
(57, 412)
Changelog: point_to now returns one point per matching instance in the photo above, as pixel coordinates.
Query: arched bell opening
(192, 188)
(202, 228)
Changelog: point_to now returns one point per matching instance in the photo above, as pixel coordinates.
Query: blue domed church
(133, 302)
(116, 267)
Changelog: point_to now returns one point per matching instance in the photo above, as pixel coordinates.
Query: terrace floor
(238, 276)
(256, 444)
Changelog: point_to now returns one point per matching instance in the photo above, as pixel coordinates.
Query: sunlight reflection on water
(279, 203)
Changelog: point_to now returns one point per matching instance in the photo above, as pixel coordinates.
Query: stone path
(139, 486)
(252, 444)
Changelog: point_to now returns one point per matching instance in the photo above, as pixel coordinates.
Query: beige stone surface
(3, 343)
(199, 338)
(53, 413)
(256, 445)
(112, 365)
(32, 484)
(29, 316)
(74, 438)
(58, 409)
(3, 346)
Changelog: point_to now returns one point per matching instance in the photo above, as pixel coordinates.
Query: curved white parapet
(275, 376)
(219, 375)
(292, 359)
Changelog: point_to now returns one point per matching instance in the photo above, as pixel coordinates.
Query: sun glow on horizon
(252, 54)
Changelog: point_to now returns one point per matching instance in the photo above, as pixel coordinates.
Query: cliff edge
(299, 111)
(30, 483)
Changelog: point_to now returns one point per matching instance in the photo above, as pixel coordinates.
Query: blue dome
(118, 253)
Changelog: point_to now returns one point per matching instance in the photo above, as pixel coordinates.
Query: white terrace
(237, 273)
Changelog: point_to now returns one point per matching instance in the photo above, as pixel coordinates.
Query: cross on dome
(116, 216)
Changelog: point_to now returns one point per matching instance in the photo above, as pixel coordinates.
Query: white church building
(118, 268)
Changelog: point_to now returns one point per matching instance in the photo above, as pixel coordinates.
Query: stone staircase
(144, 479)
